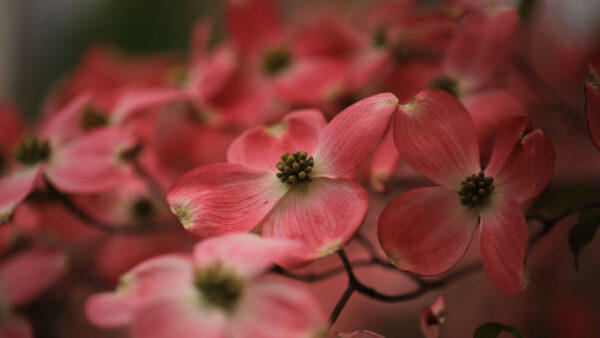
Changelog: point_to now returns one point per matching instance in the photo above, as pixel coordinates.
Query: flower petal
(14, 187)
(15, 327)
(352, 135)
(92, 163)
(323, 214)
(508, 136)
(359, 334)
(26, 275)
(383, 163)
(223, 198)
(261, 147)
(247, 254)
(477, 50)
(504, 239)
(137, 100)
(177, 313)
(253, 24)
(426, 230)
(528, 169)
(274, 308)
(436, 136)
(109, 309)
(65, 124)
(432, 317)
(592, 102)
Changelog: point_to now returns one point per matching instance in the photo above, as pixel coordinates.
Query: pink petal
(11, 126)
(253, 24)
(247, 254)
(504, 239)
(222, 198)
(14, 187)
(488, 110)
(274, 308)
(65, 124)
(436, 136)
(15, 327)
(507, 138)
(432, 317)
(383, 163)
(109, 309)
(323, 215)
(592, 102)
(136, 100)
(359, 334)
(529, 168)
(177, 313)
(92, 163)
(261, 147)
(208, 76)
(26, 275)
(426, 230)
(200, 39)
(353, 134)
(477, 50)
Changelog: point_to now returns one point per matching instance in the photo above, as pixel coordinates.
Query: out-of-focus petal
(11, 127)
(177, 313)
(436, 136)
(383, 163)
(91, 164)
(26, 275)
(261, 147)
(273, 308)
(247, 254)
(359, 334)
(528, 169)
(15, 327)
(138, 100)
(110, 309)
(426, 230)
(323, 215)
(65, 124)
(253, 24)
(209, 75)
(592, 102)
(504, 239)
(432, 317)
(477, 50)
(352, 135)
(14, 187)
(223, 198)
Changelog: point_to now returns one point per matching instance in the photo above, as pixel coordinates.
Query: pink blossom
(432, 317)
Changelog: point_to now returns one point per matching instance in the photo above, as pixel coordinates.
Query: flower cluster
(195, 189)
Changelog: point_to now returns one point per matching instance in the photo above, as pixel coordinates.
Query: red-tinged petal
(209, 75)
(200, 39)
(261, 147)
(92, 163)
(253, 24)
(223, 198)
(529, 168)
(426, 230)
(323, 215)
(11, 127)
(488, 111)
(504, 239)
(109, 309)
(507, 138)
(311, 80)
(383, 163)
(15, 327)
(274, 308)
(476, 51)
(436, 136)
(592, 102)
(359, 334)
(247, 254)
(65, 124)
(177, 313)
(353, 134)
(139, 100)
(26, 275)
(432, 317)
(14, 187)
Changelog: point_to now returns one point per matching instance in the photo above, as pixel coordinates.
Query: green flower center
(218, 286)
(475, 190)
(276, 60)
(93, 118)
(32, 150)
(295, 168)
(446, 84)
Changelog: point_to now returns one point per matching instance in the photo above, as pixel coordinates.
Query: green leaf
(492, 330)
(561, 198)
(583, 232)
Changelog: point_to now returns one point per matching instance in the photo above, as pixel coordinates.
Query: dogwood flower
(427, 230)
(219, 292)
(287, 180)
(432, 317)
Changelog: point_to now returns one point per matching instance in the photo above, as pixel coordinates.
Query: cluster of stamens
(218, 286)
(32, 150)
(93, 118)
(295, 168)
(475, 190)
(142, 209)
(275, 60)
(446, 84)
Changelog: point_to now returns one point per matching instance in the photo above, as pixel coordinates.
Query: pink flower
(91, 163)
(218, 293)
(22, 278)
(432, 317)
(286, 180)
(427, 230)
(359, 334)
(592, 102)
